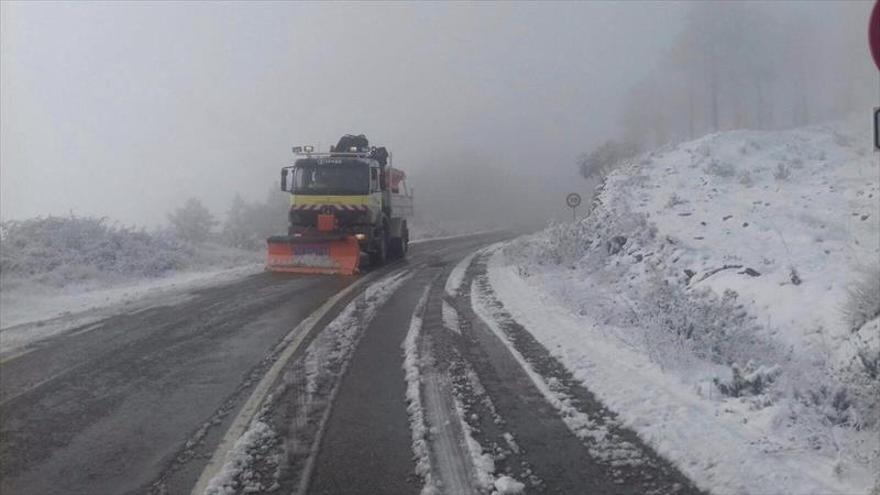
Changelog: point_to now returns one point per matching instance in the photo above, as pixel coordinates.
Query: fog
(125, 109)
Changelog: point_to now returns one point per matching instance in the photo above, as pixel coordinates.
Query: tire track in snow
(448, 453)
(451, 458)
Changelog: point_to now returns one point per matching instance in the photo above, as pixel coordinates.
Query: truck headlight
(360, 237)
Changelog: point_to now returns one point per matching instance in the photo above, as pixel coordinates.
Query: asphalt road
(107, 408)
(145, 402)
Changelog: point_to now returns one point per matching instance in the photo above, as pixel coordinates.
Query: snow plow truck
(346, 205)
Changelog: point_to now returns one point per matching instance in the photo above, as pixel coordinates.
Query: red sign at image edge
(874, 33)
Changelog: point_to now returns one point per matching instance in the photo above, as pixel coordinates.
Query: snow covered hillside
(733, 285)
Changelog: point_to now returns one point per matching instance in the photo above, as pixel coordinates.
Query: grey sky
(126, 109)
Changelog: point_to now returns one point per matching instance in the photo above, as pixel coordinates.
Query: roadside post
(876, 129)
(573, 200)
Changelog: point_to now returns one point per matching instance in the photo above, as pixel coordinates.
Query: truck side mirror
(284, 179)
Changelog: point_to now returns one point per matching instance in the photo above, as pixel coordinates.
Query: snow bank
(729, 263)
(414, 407)
(450, 318)
(508, 486)
(456, 277)
(235, 475)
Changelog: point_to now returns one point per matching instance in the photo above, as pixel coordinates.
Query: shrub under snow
(60, 251)
(862, 303)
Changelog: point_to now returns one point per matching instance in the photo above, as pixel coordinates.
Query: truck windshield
(344, 178)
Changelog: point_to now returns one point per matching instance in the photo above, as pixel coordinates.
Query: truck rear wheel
(380, 255)
(398, 247)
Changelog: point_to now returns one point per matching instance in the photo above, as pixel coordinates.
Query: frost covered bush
(750, 380)
(717, 329)
(782, 172)
(573, 244)
(862, 374)
(675, 200)
(58, 251)
(566, 243)
(863, 299)
(720, 169)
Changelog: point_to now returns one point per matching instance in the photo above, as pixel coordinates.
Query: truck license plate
(313, 250)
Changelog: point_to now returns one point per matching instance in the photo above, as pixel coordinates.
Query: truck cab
(349, 188)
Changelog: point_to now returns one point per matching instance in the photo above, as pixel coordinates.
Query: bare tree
(755, 65)
(247, 224)
(604, 158)
(192, 222)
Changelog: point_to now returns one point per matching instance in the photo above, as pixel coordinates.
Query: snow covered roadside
(709, 300)
(63, 272)
(723, 446)
(31, 315)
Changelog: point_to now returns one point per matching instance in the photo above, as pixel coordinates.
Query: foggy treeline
(485, 105)
(733, 65)
(754, 65)
(247, 223)
(244, 225)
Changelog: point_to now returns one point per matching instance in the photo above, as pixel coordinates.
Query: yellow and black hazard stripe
(319, 207)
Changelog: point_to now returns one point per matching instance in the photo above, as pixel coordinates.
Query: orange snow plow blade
(323, 254)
